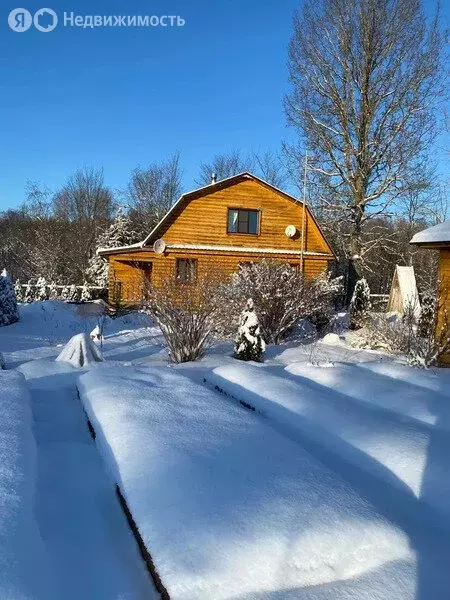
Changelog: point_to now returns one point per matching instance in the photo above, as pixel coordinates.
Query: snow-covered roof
(100, 251)
(212, 248)
(433, 235)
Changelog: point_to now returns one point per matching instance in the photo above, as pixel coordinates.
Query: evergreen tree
(427, 314)
(249, 344)
(8, 303)
(29, 292)
(53, 291)
(360, 305)
(73, 293)
(18, 290)
(65, 293)
(41, 289)
(120, 233)
(86, 294)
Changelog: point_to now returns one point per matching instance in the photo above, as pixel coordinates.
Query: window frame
(178, 277)
(247, 210)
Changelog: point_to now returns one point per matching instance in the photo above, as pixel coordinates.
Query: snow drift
(23, 568)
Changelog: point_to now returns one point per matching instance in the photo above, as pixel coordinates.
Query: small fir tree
(41, 289)
(360, 305)
(8, 304)
(120, 233)
(18, 290)
(53, 291)
(86, 292)
(249, 344)
(427, 316)
(65, 293)
(28, 296)
(73, 293)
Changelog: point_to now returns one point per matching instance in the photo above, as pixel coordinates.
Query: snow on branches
(360, 305)
(249, 344)
(8, 304)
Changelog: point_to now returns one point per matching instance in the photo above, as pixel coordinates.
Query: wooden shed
(217, 228)
(438, 238)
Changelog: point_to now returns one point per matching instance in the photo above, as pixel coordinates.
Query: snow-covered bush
(65, 293)
(18, 290)
(186, 314)
(360, 306)
(427, 313)
(41, 289)
(86, 292)
(29, 292)
(400, 336)
(249, 344)
(8, 303)
(281, 296)
(120, 233)
(53, 291)
(73, 293)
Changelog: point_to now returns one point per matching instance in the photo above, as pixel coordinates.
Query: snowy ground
(336, 486)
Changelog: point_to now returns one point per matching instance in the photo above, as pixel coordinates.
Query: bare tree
(152, 191)
(84, 197)
(224, 166)
(365, 79)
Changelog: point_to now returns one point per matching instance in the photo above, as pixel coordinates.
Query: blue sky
(119, 97)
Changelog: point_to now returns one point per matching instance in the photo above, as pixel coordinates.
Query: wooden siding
(203, 220)
(126, 268)
(444, 278)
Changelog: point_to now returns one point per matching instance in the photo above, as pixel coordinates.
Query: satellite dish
(159, 246)
(290, 231)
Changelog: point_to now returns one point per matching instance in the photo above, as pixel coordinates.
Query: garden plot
(228, 507)
(24, 570)
(411, 458)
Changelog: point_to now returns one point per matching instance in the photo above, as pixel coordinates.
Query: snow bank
(230, 508)
(80, 351)
(23, 572)
(320, 403)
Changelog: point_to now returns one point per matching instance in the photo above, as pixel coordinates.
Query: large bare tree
(365, 78)
(152, 191)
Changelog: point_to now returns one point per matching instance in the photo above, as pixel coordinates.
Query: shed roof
(438, 234)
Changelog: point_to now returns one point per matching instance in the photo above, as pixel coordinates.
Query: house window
(242, 221)
(186, 270)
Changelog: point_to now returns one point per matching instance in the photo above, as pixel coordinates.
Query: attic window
(243, 221)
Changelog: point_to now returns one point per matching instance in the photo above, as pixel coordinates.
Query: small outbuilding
(438, 238)
(404, 295)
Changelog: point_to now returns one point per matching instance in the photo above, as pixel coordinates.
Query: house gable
(201, 218)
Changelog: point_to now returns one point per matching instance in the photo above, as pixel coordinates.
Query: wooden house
(438, 238)
(216, 228)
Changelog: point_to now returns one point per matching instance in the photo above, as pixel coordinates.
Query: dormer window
(243, 221)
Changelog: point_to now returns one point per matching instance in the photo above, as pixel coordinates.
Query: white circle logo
(20, 20)
(45, 20)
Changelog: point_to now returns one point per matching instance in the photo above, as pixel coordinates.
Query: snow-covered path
(93, 553)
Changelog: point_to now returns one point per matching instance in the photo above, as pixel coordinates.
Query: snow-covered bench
(23, 570)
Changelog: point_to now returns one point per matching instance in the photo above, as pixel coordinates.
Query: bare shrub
(186, 314)
(281, 296)
(401, 336)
